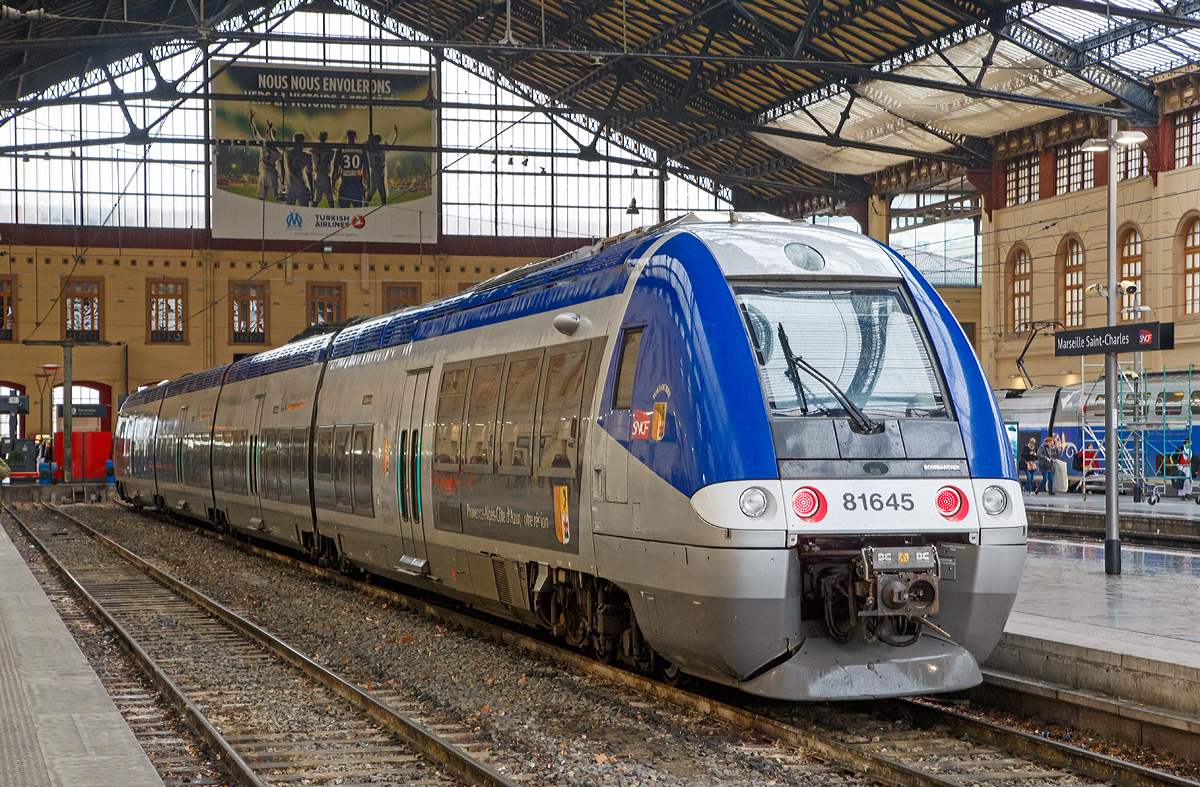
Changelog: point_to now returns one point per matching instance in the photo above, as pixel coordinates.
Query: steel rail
(860, 759)
(427, 743)
(239, 770)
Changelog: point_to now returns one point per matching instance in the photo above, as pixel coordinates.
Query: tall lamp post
(1112, 533)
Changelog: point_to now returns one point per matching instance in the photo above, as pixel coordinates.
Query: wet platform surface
(1157, 592)
(58, 726)
(1169, 505)
(1127, 643)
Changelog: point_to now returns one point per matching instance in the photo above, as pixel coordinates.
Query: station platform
(1172, 522)
(1123, 651)
(58, 726)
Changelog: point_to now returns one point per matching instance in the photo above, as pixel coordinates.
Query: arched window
(1022, 278)
(1073, 285)
(1191, 268)
(85, 392)
(11, 425)
(1131, 269)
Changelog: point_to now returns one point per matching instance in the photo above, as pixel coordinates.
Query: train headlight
(994, 500)
(753, 502)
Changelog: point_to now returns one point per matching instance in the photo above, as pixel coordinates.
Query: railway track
(178, 756)
(272, 715)
(896, 742)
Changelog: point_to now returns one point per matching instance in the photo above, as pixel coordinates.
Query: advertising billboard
(306, 157)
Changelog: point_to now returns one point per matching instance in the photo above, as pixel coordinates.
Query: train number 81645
(877, 502)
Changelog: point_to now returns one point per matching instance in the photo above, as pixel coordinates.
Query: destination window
(248, 312)
(166, 318)
(326, 303)
(82, 309)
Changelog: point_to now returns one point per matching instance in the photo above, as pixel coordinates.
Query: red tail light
(952, 503)
(809, 504)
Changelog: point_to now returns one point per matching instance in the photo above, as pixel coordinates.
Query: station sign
(1144, 337)
(14, 405)
(85, 410)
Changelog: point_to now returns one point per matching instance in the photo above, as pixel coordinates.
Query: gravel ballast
(543, 720)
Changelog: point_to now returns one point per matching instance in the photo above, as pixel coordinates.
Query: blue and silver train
(1159, 415)
(754, 451)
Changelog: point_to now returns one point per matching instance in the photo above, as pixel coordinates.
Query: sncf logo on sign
(641, 425)
(1145, 337)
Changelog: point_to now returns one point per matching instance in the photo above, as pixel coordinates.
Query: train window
(363, 497)
(451, 397)
(516, 425)
(1195, 403)
(631, 343)
(481, 418)
(218, 458)
(254, 468)
(1174, 402)
(270, 480)
(323, 478)
(341, 468)
(300, 465)
(285, 465)
(239, 461)
(401, 479)
(414, 477)
(559, 433)
(864, 340)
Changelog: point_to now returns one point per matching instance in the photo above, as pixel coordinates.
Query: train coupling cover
(898, 581)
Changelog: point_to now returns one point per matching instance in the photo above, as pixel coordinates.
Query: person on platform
(322, 163)
(299, 165)
(1029, 463)
(350, 171)
(268, 161)
(1047, 455)
(377, 158)
(1185, 468)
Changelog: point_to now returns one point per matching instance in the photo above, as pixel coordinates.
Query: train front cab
(685, 432)
(133, 449)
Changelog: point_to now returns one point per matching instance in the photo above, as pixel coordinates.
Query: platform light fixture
(1112, 534)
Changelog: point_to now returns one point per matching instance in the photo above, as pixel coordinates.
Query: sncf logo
(641, 425)
(1145, 337)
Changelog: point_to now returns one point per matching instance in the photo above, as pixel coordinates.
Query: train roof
(744, 244)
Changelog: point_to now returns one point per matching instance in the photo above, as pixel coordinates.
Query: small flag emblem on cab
(658, 426)
(562, 515)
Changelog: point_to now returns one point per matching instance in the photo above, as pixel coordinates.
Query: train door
(254, 463)
(408, 472)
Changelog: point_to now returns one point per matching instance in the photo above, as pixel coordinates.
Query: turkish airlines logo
(358, 222)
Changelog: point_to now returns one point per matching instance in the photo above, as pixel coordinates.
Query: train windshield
(864, 341)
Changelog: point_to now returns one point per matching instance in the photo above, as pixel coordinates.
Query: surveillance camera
(1127, 287)
(1098, 289)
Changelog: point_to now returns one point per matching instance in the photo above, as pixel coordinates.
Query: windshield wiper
(861, 423)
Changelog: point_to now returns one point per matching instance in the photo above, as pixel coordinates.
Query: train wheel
(576, 634)
(672, 675)
(606, 649)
